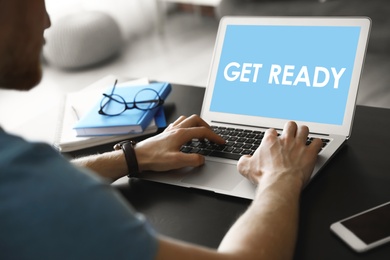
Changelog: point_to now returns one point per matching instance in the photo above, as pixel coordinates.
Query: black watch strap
(131, 159)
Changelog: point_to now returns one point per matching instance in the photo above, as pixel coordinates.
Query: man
(52, 209)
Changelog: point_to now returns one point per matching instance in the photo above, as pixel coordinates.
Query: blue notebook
(130, 121)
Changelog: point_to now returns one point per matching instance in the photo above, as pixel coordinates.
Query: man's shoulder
(35, 163)
(16, 151)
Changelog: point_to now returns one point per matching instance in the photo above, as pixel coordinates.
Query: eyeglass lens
(145, 99)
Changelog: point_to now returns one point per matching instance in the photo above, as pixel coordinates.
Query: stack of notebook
(81, 126)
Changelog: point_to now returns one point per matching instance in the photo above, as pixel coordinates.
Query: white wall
(133, 16)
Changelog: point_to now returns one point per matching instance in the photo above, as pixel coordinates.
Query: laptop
(266, 71)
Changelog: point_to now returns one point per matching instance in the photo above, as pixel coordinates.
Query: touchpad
(214, 175)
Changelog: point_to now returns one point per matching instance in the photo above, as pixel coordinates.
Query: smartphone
(365, 230)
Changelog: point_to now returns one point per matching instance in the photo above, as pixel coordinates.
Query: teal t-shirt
(50, 209)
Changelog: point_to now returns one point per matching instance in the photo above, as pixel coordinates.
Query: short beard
(21, 80)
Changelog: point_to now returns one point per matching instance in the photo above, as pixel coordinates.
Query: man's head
(22, 23)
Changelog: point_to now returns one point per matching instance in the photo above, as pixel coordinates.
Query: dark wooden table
(357, 178)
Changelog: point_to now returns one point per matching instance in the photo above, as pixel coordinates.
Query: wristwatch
(131, 159)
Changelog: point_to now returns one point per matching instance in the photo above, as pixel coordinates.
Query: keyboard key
(242, 140)
(195, 150)
(234, 133)
(243, 134)
(232, 138)
(251, 135)
(185, 149)
(247, 146)
(238, 145)
(204, 152)
(229, 143)
(250, 140)
(228, 149)
(237, 150)
(219, 148)
(246, 152)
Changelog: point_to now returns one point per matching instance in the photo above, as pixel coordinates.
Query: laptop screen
(300, 73)
(268, 70)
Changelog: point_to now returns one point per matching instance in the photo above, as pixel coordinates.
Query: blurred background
(173, 41)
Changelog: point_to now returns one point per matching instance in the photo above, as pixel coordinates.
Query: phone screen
(372, 225)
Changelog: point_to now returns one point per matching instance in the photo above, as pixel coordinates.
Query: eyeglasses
(114, 105)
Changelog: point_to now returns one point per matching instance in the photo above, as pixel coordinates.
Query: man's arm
(110, 165)
(267, 230)
(158, 153)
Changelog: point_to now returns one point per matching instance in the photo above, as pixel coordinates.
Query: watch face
(119, 145)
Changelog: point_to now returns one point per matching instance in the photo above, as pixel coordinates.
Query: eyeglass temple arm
(113, 88)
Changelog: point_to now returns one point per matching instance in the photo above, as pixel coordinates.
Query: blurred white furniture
(197, 4)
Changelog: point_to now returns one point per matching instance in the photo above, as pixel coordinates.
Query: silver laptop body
(266, 71)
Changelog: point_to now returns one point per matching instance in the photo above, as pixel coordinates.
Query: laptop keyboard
(238, 142)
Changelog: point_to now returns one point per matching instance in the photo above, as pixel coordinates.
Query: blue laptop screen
(298, 73)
